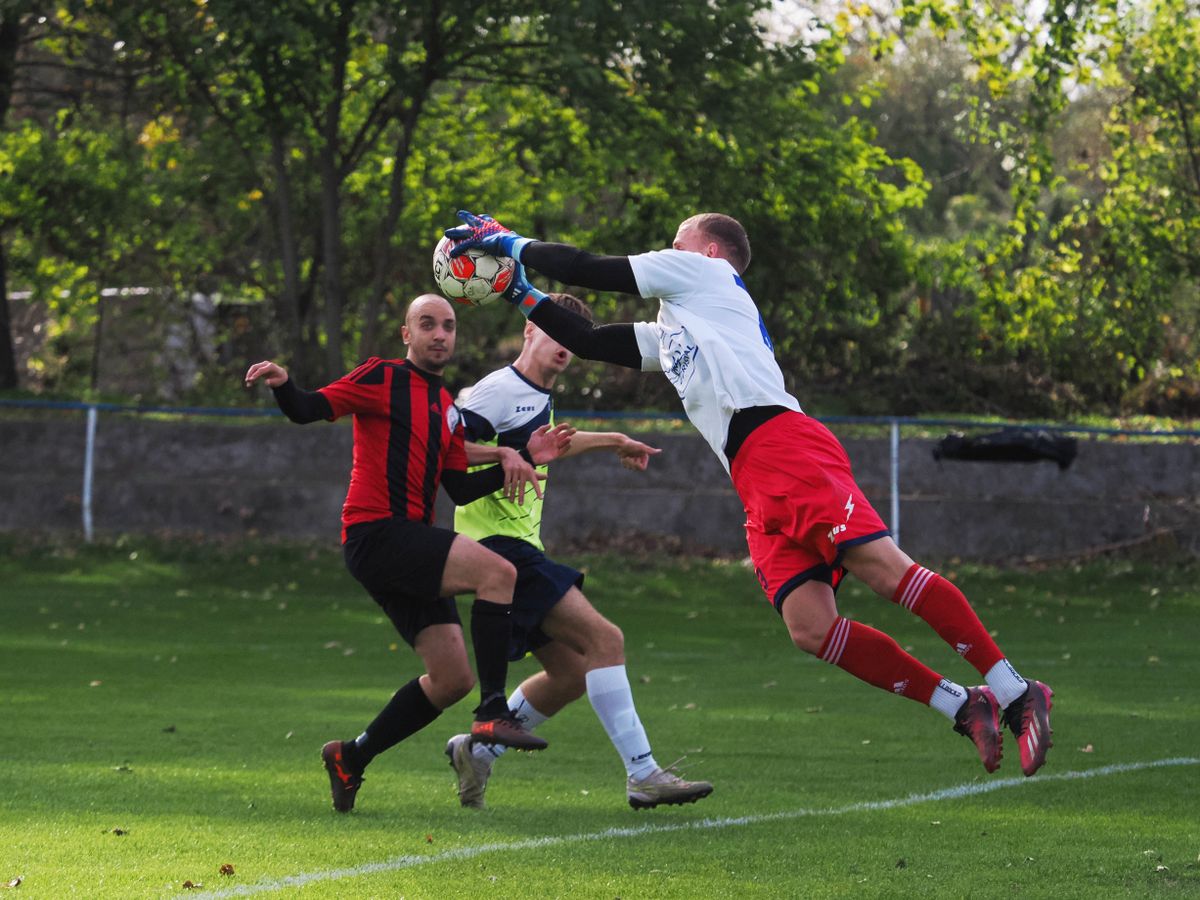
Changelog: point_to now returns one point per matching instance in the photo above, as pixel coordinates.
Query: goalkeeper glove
(487, 234)
(523, 295)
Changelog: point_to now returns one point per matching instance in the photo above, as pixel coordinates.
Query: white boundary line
(970, 789)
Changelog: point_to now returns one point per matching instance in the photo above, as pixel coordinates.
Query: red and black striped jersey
(407, 430)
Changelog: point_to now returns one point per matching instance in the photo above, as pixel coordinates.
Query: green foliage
(993, 208)
(1073, 296)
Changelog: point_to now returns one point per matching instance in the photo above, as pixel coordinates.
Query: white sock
(520, 707)
(1005, 683)
(948, 698)
(608, 690)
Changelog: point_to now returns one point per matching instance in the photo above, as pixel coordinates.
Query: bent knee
(450, 686)
(609, 645)
(499, 579)
(808, 638)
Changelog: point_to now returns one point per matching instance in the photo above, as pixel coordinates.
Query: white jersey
(709, 340)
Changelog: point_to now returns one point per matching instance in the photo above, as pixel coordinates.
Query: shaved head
(429, 331)
(433, 304)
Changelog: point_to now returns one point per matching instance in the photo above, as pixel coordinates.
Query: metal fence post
(89, 458)
(895, 479)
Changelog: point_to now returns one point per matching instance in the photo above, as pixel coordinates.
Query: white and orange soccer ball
(474, 278)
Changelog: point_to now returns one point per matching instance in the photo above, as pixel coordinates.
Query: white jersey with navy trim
(504, 409)
(709, 340)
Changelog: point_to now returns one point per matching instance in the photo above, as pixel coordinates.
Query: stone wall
(275, 479)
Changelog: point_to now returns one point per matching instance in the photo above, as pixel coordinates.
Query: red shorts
(803, 507)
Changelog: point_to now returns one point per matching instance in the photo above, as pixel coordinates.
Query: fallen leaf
(815, 709)
(901, 863)
(769, 684)
(95, 683)
(15, 882)
(191, 885)
(170, 729)
(645, 679)
(429, 838)
(1088, 749)
(120, 831)
(1161, 869)
(123, 769)
(226, 869)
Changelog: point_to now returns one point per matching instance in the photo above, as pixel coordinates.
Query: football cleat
(505, 730)
(1029, 719)
(343, 783)
(979, 719)
(663, 787)
(472, 771)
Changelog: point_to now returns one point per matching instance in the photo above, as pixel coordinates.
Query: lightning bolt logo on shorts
(838, 529)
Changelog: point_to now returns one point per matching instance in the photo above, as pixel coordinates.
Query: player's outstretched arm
(633, 454)
(562, 262)
(300, 406)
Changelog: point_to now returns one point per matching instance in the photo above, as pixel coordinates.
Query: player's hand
(273, 373)
(547, 443)
(518, 474)
(486, 234)
(634, 455)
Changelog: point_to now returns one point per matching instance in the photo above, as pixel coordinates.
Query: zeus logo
(849, 507)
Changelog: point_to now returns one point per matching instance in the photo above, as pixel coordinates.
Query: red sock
(947, 611)
(874, 657)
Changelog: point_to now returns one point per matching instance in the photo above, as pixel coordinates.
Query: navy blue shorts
(541, 582)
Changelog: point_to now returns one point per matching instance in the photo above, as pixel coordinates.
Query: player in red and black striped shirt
(408, 438)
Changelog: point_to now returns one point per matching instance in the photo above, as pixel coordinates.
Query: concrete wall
(276, 480)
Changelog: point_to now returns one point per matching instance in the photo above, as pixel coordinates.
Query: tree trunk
(8, 357)
(287, 307)
(381, 253)
(331, 187)
(10, 40)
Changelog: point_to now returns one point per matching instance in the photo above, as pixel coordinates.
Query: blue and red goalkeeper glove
(523, 295)
(487, 234)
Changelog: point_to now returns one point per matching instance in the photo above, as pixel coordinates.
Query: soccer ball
(474, 278)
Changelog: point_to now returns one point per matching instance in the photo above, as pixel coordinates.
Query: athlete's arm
(518, 471)
(467, 487)
(633, 454)
(606, 343)
(570, 265)
(300, 406)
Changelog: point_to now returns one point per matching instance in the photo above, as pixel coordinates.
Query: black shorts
(541, 583)
(401, 563)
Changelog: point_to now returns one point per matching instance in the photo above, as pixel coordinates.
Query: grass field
(162, 707)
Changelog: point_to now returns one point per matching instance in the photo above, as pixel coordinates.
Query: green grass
(181, 694)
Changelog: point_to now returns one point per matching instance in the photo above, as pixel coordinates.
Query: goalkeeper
(807, 521)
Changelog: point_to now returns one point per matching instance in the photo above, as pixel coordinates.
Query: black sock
(406, 713)
(491, 629)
